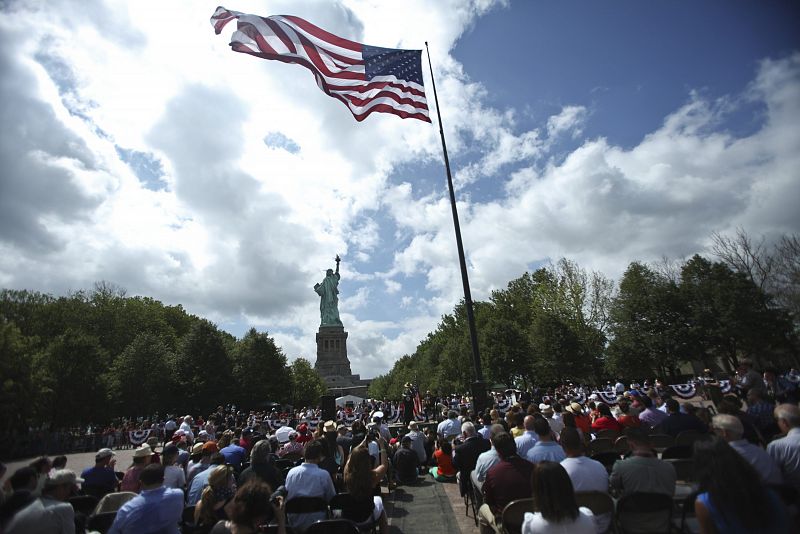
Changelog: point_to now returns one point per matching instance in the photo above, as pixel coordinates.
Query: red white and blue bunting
(137, 437)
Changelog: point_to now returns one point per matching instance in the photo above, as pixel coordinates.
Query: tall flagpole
(478, 386)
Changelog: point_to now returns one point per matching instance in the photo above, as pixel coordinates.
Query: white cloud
(244, 228)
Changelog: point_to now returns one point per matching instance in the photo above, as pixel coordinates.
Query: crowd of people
(236, 471)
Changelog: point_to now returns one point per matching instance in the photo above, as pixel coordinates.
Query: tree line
(93, 356)
(562, 323)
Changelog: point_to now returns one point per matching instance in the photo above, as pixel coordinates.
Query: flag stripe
(338, 64)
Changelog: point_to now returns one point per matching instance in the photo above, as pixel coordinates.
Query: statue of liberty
(328, 290)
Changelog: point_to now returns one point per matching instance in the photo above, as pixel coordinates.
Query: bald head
(528, 422)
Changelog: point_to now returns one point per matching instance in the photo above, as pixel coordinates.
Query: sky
(138, 149)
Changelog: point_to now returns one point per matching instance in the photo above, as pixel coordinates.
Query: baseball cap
(103, 453)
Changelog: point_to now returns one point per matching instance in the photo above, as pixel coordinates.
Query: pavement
(428, 506)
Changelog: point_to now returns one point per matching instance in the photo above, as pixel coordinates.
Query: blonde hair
(204, 512)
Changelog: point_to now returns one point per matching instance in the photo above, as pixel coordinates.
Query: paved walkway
(428, 506)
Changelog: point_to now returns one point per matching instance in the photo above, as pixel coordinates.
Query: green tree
(260, 370)
(648, 325)
(203, 368)
(17, 390)
(307, 386)
(70, 374)
(141, 379)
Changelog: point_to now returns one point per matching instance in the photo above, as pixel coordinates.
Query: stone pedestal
(332, 352)
(333, 364)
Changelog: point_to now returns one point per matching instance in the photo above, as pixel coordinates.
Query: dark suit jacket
(465, 458)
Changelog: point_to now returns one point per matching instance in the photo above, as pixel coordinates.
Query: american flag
(417, 401)
(366, 78)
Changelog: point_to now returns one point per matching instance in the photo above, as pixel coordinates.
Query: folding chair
(101, 522)
(360, 511)
(677, 452)
(599, 502)
(469, 498)
(333, 526)
(644, 513)
(688, 437)
(607, 458)
(684, 468)
(514, 513)
(83, 504)
(306, 505)
(621, 445)
(600, 445)
(661, 441)
(607, 433)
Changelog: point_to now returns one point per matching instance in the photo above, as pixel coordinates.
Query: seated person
(443, 470)
(506, 481)
(308, 480)
(405, 462)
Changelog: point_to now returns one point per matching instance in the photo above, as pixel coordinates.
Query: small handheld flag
(365, 78)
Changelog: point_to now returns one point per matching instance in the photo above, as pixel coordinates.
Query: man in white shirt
(186, 426)
(174, 475)
(417, 442)
(586, 474)
(786, 450)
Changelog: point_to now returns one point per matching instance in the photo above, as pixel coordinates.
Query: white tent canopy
(342, 401)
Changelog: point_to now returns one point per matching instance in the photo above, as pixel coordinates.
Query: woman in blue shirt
(733, 499)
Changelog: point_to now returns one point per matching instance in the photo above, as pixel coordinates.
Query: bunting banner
(684, 391)
(725, 386)
(137, 437)
(607, 396)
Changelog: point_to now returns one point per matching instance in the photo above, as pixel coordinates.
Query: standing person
(360, 480)
(554, 500)
(50, 513)
(328, 290)
(141, 459)
(732, 496)
(156, 508)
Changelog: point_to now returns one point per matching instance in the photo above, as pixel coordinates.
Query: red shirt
(629, 420)
(507, 480)
(445, 463)
(583, 423)
(605, 422)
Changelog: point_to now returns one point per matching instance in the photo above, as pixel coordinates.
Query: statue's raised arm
(328, 291)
